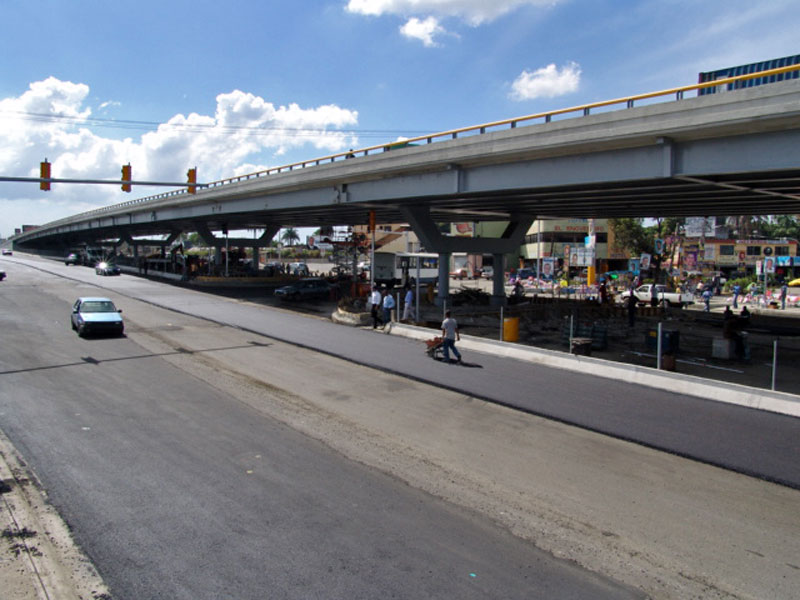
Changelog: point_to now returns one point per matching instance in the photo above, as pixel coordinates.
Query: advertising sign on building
(644, 261)
(548, 267)
(464, 229)
(699, 227)
(581, 257)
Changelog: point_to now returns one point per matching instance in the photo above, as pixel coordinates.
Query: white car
(644, 294)
(96, 315)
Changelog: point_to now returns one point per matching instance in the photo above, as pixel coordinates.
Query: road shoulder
(38, 558)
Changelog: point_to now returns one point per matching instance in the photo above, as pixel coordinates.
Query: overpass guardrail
(545, 116)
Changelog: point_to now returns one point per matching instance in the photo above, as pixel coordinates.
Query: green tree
(781, 226)
(290, 237)
(194, 240)
(631, 235)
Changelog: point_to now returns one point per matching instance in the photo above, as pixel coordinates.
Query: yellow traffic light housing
(191, 178)
(126, 177)
(44, 173)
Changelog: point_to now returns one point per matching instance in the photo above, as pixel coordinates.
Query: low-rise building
(734, 258)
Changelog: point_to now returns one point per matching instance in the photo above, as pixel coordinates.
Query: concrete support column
(444, 278)
(498, 281)
(423, 225)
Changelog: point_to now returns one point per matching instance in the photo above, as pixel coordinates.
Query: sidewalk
(691, 385)
(636, 348)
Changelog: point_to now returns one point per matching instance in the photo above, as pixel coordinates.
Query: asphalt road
(176, 490)
(748, 441)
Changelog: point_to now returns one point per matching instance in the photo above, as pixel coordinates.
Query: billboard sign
(548, 267)
(581, 257)
(696, 227)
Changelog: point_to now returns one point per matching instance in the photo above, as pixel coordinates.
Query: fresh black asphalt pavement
(749, 441)
(176, 490)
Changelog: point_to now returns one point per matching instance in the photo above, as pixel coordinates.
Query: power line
(202, 128)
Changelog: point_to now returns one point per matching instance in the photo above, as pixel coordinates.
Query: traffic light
(44, 173)
(126, 176)
(191, 177)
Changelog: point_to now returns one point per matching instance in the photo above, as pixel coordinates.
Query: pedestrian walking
(737, 290)
(707, 293)
(408, 304)
(375, 304)
(388, 305)
(450, 336)
(784, 292)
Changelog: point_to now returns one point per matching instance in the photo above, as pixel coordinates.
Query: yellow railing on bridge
(547, 116)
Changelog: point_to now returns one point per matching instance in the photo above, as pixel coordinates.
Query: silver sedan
(96, 315)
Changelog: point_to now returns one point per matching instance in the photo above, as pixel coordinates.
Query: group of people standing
(782, 294)
(382, 303)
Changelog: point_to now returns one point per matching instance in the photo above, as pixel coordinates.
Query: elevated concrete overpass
(732, 153)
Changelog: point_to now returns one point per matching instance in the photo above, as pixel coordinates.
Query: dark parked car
(96, 315)
(2, 274)
(305, 289)
(105, 268)
(72, 259)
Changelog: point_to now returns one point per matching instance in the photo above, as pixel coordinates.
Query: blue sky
(243, 85)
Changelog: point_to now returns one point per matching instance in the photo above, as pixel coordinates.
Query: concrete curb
(689, 385)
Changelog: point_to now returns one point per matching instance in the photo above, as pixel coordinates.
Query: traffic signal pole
(48, 180)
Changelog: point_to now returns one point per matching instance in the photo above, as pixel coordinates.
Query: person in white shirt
(450, 336)
(375, 303)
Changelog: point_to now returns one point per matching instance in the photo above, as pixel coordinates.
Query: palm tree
(290, 236)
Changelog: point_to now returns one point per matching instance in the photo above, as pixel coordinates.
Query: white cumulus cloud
(474, 12)
(547, 82)
(423, 30)
(52, 120)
